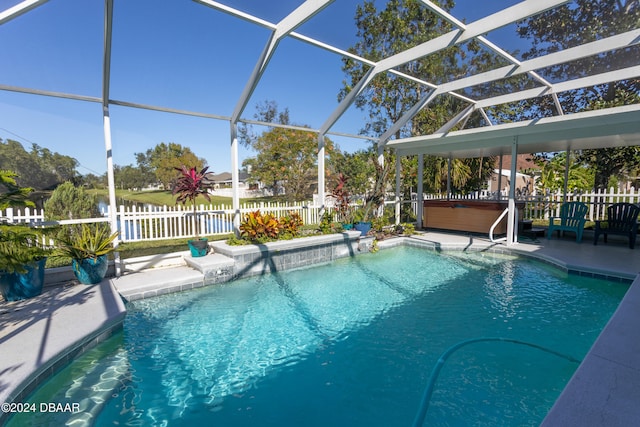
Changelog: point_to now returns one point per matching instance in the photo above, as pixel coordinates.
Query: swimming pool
(350, 343)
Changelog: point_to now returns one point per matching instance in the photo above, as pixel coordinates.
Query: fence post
(120, 219)
(9, 214)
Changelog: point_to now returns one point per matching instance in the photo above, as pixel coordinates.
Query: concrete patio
(40, 335)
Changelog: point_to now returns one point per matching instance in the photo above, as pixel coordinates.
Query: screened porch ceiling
(610, 127)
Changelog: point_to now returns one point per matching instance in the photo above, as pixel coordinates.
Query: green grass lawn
(162, 197)
(155, 247)
(156, 197)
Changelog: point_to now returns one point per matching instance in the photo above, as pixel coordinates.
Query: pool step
(216, 268)
(157, 281)
(198, 272)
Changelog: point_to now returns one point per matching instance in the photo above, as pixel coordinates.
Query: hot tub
(475, 216)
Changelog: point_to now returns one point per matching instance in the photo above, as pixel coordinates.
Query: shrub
(378, 223)
(408, 229)
(92, 242)
(343, 199)
(258, 227)
(327, 225)
(190, 184)
(70, 202)
(290, 224)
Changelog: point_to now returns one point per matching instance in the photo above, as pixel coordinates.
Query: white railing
(170, 222)
(495, 224)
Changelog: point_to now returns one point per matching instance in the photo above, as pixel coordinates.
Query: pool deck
(40, 335)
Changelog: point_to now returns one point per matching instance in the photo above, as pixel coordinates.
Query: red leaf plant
(190, 184)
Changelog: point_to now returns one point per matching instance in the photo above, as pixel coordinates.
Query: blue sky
(176, 54)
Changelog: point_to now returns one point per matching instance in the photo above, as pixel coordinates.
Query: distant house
(223, 187)
(223, 180)
(524, 180)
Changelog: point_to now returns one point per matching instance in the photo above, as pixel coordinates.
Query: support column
(420, 195)
(380, 210)
(449, 178)
(566, 176)
(106, 121)
(499, 192)
(235, 197)
(512, 219)
(111, 183)
(398, 182)
(321, 178)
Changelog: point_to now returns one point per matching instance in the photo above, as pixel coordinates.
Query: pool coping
(45, 333)
(583, 393)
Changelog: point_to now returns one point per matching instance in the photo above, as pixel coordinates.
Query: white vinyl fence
(172, 222)
(169, 222)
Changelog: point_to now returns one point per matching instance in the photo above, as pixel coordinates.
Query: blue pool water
(345, 344)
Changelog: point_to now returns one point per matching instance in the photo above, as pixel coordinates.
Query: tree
(286, 159)
(403, 24)
(552, 175)
(358, 168)
(93, 181)
(131, 178)
(70, 202)
(11, 194)
(286, 162)
(162, 160)
(564, 27)
(40, 168)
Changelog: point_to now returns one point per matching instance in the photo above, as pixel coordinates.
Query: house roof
(523, 162)
(226, 177)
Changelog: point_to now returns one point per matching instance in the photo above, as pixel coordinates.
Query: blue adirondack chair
(622, 220)
(572, 218)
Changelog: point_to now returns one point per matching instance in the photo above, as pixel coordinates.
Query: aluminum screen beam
(482, 39)
(106, 54)
(50, 93)
(619, 41)
(596, 79)
(482, 26)
(309, 40)
(296, 18)
(590, 49)
(478, 28)
(19, 9)
(237, 13)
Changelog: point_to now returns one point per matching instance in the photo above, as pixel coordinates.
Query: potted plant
(22, 253)
(343, 201)
(190, 184)
(373, 200)
(88, 249)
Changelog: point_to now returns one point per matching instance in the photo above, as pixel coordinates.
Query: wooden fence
(169, 222)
